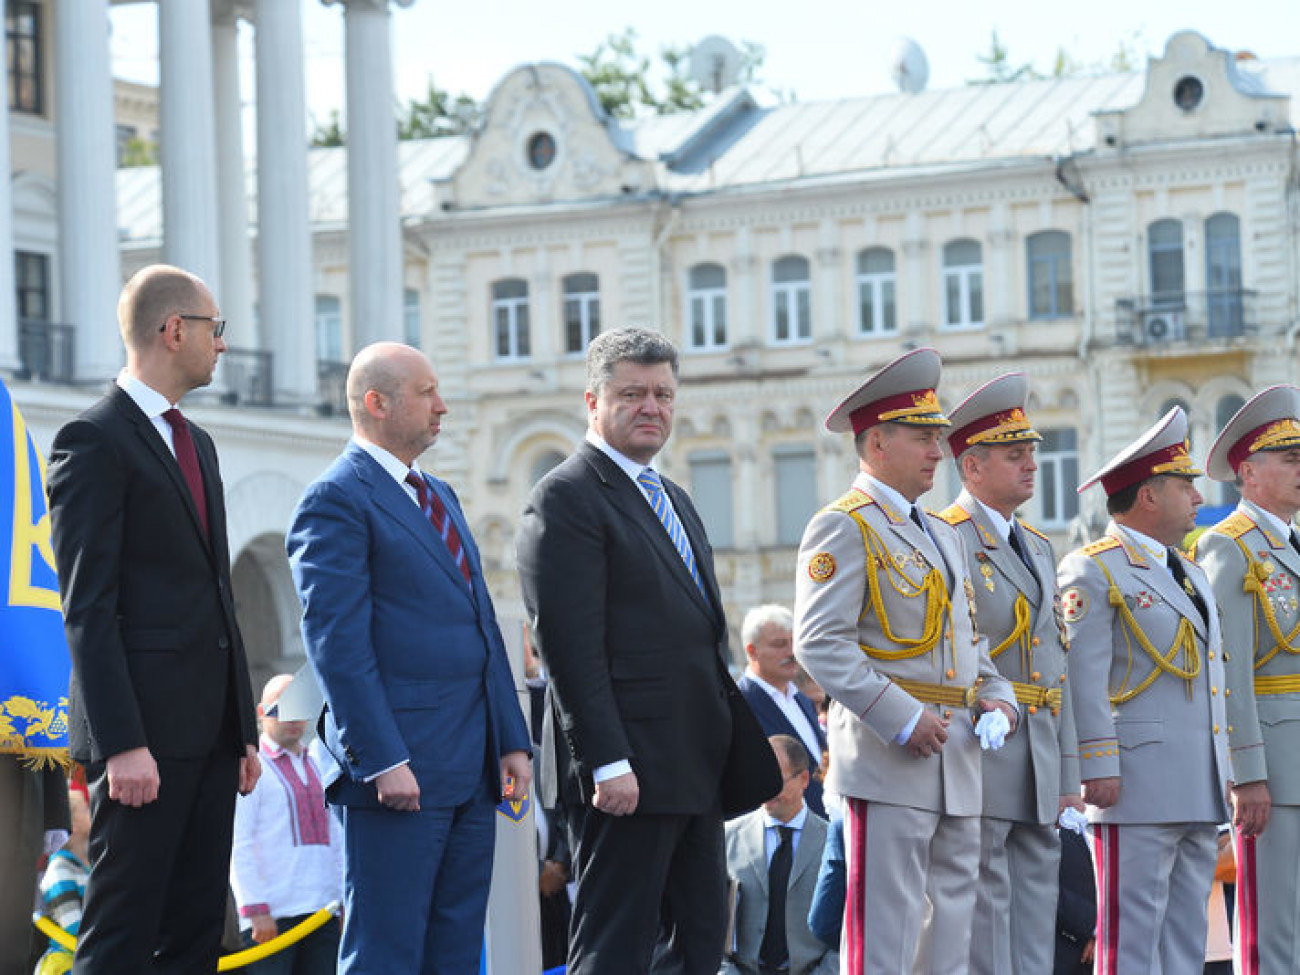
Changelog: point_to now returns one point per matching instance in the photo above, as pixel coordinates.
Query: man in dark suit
(768, 686)
(422, 716)
(160, 709)
(617, 575)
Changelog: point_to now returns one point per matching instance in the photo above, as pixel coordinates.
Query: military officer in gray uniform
(1147, 680)
(1028, 783)
(1253, 560)
(885, 622)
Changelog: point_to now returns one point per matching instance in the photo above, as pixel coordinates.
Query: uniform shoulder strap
(850, 502)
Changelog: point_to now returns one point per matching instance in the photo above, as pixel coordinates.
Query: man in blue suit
(768, 686)
(421, 712)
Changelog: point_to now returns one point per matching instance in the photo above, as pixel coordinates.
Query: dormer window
(1188, 92)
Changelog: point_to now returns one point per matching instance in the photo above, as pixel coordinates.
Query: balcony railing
(46, 350)
(1185, 318)
(332, 387)
(247, 377)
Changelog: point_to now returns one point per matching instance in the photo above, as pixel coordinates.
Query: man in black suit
(768, 686)
(617, 575)
(160, 709)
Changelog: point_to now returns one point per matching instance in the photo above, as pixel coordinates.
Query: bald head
(274, 688)
(151, 296)
(286, 734)
(393, 399)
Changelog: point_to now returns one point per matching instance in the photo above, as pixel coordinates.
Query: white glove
(992, 728)
(1071, 818)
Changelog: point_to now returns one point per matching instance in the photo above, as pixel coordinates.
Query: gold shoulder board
(1234, 526)
(1030, 528)
(1101, 545)
(852, 501)
(954, 515)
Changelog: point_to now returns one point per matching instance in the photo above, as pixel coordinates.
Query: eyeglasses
(218, 324)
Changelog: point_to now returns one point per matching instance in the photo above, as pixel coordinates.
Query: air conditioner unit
(1163, 326)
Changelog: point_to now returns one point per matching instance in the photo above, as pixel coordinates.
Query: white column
(287, 309)
(236, 298)
(189, 142)
(90, 269)
(374, 223)
(10, 360)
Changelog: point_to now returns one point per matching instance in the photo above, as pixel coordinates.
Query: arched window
(963, 284)
(706, 307)
(510, 319)
(791, 301)
(1051, 279)
(581, 311)
(877, 312)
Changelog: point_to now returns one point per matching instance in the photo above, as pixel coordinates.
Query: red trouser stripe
(1247, 919)
(1105, 846)
(855, 818)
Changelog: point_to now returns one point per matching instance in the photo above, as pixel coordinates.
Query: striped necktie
(654, 488)
(434, 510)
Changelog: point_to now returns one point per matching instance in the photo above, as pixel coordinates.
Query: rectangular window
(796, 491)
(706, 307)
(581, 312)
(23, 56)
(411, 317)
(711, 492)
(510, 319)
(32, 280)
(792, 312)
(329, 328)
(1058, 477)
(877, 314)
(1051, 288)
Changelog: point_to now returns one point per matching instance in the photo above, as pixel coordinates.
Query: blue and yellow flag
(34, 660)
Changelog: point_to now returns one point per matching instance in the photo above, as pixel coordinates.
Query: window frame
(323, 321)
(1059, 265)
(15, 76)
(708, 300)
(517, 321)
(963, 276)
(877, 284)
(587, 305)
(795, 298)
(1063, 495)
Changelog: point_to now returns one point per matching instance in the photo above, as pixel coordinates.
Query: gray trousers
(1267, 936)
(1015, 906)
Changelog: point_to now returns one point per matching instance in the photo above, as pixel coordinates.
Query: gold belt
(1036, 696)
(951, 695)
(1277, 684)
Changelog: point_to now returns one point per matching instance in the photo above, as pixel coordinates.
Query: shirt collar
(796, 821)
(1000, 522)
(151, 402)
(881, 491)
(786, 694)
(1280, 526)
(629, 467)
(395, 468)
(270, 749)
(1158, 552)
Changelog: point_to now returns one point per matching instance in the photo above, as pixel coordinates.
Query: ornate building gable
(1196, 91)
(545, 138)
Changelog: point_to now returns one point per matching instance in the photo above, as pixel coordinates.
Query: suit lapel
(919, 540)
(755, 840)
(1000, 552)
(153, 440)
(804, 858)
(632, 504)
(1159, 578)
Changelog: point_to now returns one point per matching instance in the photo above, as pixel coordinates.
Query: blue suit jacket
(409, 657)
(774, 722)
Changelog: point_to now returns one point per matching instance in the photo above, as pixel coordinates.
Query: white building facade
(1128, 240)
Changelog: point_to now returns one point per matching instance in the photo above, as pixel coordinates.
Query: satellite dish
(715, 63)
(908, 66)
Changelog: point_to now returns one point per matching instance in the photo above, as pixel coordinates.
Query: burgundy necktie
(433, 509)
(188, 459)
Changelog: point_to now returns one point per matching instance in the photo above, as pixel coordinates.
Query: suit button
(1033, 709)
(947, 713)
(1214, 690)
(1062, 678)
(1229, 729)
(1225, 655)
(1227, 691)
(951, 673)
(1216, 729)
(1211, 654)
(223, 643)
(1036, 641)
(1035, 676)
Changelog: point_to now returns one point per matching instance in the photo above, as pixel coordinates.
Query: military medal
(986, 571)
(1143, 600)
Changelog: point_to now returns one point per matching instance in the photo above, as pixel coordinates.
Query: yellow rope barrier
(236, 959)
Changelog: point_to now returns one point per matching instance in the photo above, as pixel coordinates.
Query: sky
(828, 49)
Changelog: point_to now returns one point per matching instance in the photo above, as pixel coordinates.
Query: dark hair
(630, 344)
(795, 752)
(1124, 499)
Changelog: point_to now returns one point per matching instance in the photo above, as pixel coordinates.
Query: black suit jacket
(774, 722)
(635, 651)
(157, 658)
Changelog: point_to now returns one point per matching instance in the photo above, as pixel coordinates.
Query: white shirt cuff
(906, 733)
(371, 778)
(611, 770)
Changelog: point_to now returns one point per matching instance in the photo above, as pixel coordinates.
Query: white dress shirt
(785, 700)
(152, 403)
(772, 839)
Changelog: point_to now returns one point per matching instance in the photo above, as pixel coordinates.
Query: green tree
(438, 113)
(328, 134)
(628, 84)
(997, 62)
(139, 152)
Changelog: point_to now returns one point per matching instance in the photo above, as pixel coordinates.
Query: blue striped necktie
(649, 480)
